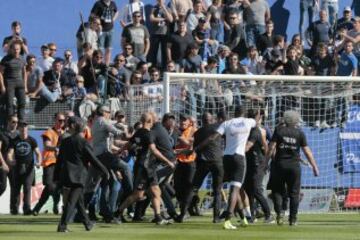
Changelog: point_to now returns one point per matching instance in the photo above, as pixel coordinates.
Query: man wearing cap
(21, 156)
(287, 140)
(346, 22)
(185, 169)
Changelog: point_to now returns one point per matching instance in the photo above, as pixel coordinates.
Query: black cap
(22, 123)
(202, 20)
(44, 47)
(168, 116)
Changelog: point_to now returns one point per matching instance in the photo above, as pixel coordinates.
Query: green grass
(312, 226)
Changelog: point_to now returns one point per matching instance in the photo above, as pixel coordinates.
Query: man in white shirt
(236, 132)
(45, 63)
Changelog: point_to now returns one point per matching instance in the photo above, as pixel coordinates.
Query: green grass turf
(312, 226)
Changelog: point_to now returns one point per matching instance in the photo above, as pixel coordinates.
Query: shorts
(234, 169)
(105, 40)
(144, 177)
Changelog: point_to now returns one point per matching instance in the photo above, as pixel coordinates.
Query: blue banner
(350, 141)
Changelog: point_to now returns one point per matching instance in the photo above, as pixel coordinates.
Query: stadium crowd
(230, 37)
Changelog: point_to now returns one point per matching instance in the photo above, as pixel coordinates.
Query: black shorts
(144, 177)
(234, 169)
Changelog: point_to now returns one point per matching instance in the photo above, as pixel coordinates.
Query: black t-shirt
(8, 39)
(179, 44)
(5, 139)
(13, 69)
(255, 156)
(163, 141)
(51, 78)
(87, 73)
(291, 67)
(264, 42)
(288, 142)
(24, 150)
(105, 13)
(141, 141)
(320, 32)
(212, 152)
(323, 66)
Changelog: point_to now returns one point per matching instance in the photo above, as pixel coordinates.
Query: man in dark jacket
(72, 169)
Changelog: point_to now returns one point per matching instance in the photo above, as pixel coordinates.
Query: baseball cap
(347, 9)
(44, 47)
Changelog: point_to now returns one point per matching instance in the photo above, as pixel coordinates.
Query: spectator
(348, 63)
(68, 63)
(292, 65)
(212, 65)
(253, 62)
(127, 13)
(223, 53)
(319, 31)
(192, 19)
(119, 79)
(155, 89)
(346, 21)
(256, 14)
(138, 35)
(21, 154)
(160, 18)
(234, 66)
(79, 90)
(143, 67)
(52, 80)
(80, 36)
(309, 7)
(131, 60)
(201, 35)
(94, 72)
(13, 72)
(235, 35)
(323, 64)
(53, 49)
(331, 7)
(266, 40)
(46, 61)
(92, 33)
(354, 36)
(170, 66)
(178, 43)
(16, 35)
(274, 62)
(192, 63)
(34, 76)
(214, 16)
(107, 11)
(181, 8)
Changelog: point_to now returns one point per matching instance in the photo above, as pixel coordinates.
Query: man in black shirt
(71, 172)
(144, 169)
(21, 155)
(107, 11)
(12, 70)
(235, 36)
(256, 148)
(266, 40)
(286, 171)
(209, 160)
(16, 36)
(178, 43)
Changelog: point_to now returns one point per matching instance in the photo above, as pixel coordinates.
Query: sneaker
(112, 220)
(280, 219)
(269, 220)
(216, 220)
(228, 225)
(62, 229)
(317, 124)
(89, 226)
(324, 125)
(293, 223)
(35, 212)
(163, 222)
(244, 222)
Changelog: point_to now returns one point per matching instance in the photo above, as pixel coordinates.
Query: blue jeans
(105, 40)
(332, 9)
(217, 33)
(50, 96)
(309, 7)
(253, 31)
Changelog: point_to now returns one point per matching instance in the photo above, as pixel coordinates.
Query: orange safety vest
(187, 134)
(49, 157)
(87, 133)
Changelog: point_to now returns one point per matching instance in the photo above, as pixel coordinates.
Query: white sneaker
(228, 225)
(324, 125)
(317, 124)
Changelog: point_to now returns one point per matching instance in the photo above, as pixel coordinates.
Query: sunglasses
(61, 120)
(137, 16)
(53, 49)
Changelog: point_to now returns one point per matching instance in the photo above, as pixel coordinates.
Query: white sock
(247, 212)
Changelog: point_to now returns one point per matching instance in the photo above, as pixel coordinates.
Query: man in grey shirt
(256, 13)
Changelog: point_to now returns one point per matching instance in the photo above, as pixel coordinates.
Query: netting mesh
(329, 117)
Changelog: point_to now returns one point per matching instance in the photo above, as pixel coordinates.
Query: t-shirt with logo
(24, 150)
(236, 131)
(136, 35)
(105, 13)
(140, 145)
(288, 142)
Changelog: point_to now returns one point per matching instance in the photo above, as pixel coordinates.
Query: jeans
(332, 8)
(253, 31)
(157, 41)
(309, 7)
(14, 89)
(50, 96)
(217, 33)
(105, 40)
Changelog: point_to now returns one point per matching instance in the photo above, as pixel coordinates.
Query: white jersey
(236, 131)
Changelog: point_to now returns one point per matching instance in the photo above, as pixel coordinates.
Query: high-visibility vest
(187, 133)
(49, 157)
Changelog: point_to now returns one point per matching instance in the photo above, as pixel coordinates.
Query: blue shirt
(347, 64)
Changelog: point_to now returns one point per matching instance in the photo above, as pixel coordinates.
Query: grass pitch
(311, 226)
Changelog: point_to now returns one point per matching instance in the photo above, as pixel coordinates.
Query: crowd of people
(88, 164)
(172, 156)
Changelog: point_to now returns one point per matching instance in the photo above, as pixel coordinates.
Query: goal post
(330, 118)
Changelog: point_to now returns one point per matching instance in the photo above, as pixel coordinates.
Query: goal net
(330, 119)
